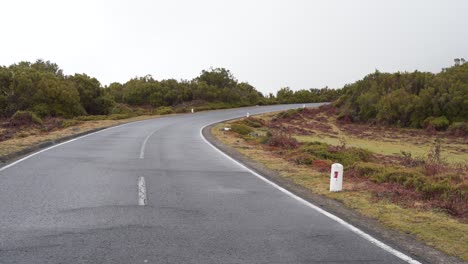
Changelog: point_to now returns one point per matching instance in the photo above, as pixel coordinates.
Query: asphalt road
(79, 203)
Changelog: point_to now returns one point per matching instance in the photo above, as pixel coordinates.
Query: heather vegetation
(409, 179)
(436, 177)
(417, 99)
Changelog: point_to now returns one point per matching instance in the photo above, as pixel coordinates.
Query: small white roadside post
(303, 106)
(336, 177)
(247, 115)
(192, 110)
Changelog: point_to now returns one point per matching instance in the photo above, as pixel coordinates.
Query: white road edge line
(142, 191)
(143, 145)
(63, 143)
(354, 229)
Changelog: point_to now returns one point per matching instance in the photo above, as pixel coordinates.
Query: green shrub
(288, 113)
(438, 123)
(121, 109)
(42, 110)
(458, 129)
(409, 178)
(182, 110)
(217, 105)
(91, 118)
(302, 158)
(441, 189)
(24, 118)
(120, 116)
(282, 140)
(69, 122)
(345, 156)
(252, 122)
(164, 110)
(395, 176)
(241, 129)
(367, 169)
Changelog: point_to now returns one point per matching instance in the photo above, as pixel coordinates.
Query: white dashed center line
(143, 145)
(142, 191)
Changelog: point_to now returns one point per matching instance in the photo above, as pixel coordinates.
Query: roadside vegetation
(417, 99)
(37, 99)
(410, 179)
(43, 89)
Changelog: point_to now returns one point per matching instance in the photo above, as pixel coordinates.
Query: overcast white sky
(270, 44)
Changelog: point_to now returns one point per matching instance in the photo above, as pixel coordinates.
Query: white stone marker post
(336, 177)
(192, 110)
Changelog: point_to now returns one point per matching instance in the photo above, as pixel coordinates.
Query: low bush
(459, 129)
(410, 161)
(121, 109)
(435, 163)
(400, 176)
(120, 116)
(182, 110)
(91, 118)
(217, 105)
(410, 178)
(437, 123)
(322, 165)
(345, 156)
(69, 122)
(365, 169)
(164, 110)
(252, 122)
(288, 114)
(281, 140)
(442, 189)
(302, 158)
(24, 118)
(42, 110)
(241, 129)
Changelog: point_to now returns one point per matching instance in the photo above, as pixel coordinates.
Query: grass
(434, 227)
(393, 147)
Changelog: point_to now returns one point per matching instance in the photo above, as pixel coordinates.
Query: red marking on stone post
(336, 175)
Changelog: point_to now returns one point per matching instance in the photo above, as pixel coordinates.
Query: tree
(91, 94)
(285, 95)
(218, 77)
(407, 99)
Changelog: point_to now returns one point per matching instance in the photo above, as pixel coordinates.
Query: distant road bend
(155, 191)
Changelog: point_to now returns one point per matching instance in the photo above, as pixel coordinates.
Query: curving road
(155, 192)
